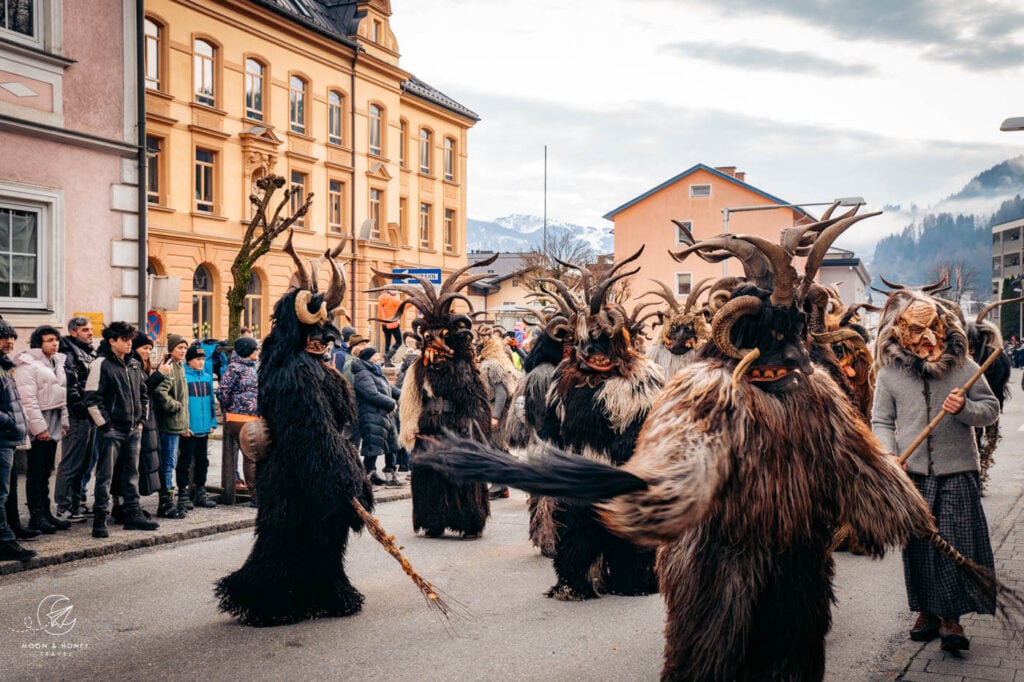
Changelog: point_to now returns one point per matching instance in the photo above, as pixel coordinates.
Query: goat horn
(726, 317)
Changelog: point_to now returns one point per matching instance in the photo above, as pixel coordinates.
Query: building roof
(610, 215)
(339, 19)
(507, 265)
(414, 86)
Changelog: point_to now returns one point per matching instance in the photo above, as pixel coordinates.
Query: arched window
(335, 109)
(202, 303)
(376, 116)
(254, 90)
(297, 104)
(204, 59)
(252, 313)
(449, 159)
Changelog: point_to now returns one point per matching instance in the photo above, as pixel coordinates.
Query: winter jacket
(13, 422)
(42, 386)
(238, 390)
(376, 400)
(202, 411)
(78, 355)
(149, 451)
(115, 391)
(170, 398)
(905, 403)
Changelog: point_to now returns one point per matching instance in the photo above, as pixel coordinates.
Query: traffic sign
(432, 275)
(154, 325)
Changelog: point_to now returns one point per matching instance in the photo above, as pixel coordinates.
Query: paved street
(151, 612)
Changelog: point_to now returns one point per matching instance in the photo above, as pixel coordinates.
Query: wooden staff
(942, 413)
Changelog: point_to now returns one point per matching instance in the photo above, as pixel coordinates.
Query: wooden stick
(942, 413)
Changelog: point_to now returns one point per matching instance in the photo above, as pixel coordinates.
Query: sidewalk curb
(142, 539)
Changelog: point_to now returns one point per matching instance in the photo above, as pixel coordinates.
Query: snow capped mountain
(520, 232)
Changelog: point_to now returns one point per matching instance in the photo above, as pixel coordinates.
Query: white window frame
(335, 117)
(696, 191)
(675, 289)
(49, 205)
(199, 73)
(426, 144)
(252, 79)
(42, 15)
(375, 129)
(689, 225)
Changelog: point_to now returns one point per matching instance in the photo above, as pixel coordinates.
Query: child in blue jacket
(202, 420)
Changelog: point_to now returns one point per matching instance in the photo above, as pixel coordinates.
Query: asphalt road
(151, 613)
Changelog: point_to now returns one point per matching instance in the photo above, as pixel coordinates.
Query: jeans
(76, 452)
(6, 464)
(168, 458)
(392, 340)
(37, 479)
(90, 466)
(123, 448)
(193, 449)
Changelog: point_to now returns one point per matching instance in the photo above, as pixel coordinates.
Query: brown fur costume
(443, 391)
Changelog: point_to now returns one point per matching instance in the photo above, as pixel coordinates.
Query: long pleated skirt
(934, 585)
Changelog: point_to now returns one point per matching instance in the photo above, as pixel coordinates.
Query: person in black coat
(377, 400)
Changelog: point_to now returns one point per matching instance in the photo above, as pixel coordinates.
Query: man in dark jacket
(377, 400)
(78, 445)
(13, 430)
(116, 396)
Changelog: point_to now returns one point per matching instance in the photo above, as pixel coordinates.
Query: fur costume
(497, 370)
(683, 330)
(741, 505)
(296, 568)
(983, 339)
(444, 391)
(599, 396)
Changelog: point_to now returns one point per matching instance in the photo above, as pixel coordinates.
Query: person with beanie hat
(202, 420)
(238, 396)
(15, 429)
(171, 401)
(78, 448)
(149, 448)
(376, 399)
(245, 346)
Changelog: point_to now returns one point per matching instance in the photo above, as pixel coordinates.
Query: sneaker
(69, 516)
(12, 551)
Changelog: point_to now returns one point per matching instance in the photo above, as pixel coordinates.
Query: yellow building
(311, 91)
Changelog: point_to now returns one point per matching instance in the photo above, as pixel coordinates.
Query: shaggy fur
(295, 570)
(600, 422)
(670, 362)
(984, 339)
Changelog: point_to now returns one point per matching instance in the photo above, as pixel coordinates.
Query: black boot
(201, 499)
(37, 521)
(117, 513)
(99, 524)
(54, 521)
(134, 520)
(167, 509)
(184, 504)
(12, 551)
(23, 533)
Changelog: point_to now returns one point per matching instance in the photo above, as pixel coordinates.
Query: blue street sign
(432, 275)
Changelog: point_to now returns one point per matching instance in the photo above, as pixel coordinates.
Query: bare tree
(257, 240)
(540, 261)
(958, 275)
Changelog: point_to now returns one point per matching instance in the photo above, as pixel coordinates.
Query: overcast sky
(897, 101)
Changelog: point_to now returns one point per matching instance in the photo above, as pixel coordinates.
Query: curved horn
(444, 303)
(844, 334)
(756, 265)
(601, 290)
(302, 300)
(726, 317)
(851, 312)
(889, 284)
(941, 285)
(666, 294)
(300, 279)
(784, 287)
(450, 281)
(983, 313)
(695, 293)
(687, 233)
(822, 245)
(336, 290)
(586, 278)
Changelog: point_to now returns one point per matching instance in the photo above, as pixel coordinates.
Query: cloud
(983, 35)
(598, 160)
(752, 58)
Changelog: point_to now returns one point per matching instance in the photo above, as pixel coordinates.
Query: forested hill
(911, 257)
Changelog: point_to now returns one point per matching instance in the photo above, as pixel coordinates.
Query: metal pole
(546, 202)
(725, 230)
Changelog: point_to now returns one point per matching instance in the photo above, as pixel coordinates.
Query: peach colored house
(695, 197)
(68, 167)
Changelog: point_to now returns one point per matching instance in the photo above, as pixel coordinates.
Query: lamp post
(727, 212)
(1012, 124)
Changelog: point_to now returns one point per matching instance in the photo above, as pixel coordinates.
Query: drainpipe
(352, 203)
(143, 199)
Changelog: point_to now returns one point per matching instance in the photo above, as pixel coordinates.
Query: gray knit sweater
(904, 404)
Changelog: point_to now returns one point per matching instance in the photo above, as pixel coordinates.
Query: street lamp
(727, 212)
(1013, 124)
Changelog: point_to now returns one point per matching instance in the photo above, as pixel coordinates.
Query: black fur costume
(441, 391)
(295, 570)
